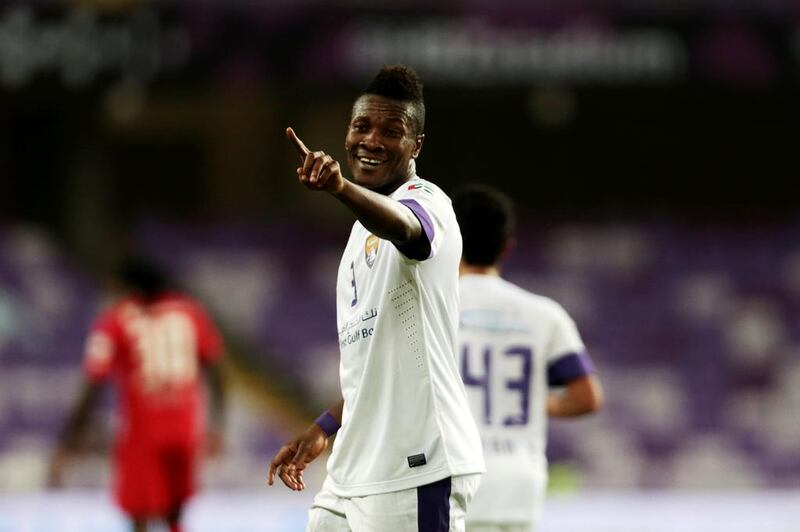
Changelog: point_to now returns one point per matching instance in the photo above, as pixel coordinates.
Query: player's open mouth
(370, 163)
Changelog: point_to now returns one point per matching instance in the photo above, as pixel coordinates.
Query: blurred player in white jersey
(407, 457)
(515, 348)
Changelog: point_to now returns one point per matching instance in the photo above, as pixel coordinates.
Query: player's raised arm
(381, 215)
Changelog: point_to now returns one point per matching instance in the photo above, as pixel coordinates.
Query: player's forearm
(331, 420)
(582, 396)
(337, 410)
(561, 405)
(79, 417)
(381, 215)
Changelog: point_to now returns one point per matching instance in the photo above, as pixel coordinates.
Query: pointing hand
(318, 170)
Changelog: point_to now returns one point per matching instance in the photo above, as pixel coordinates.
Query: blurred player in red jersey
(155, 343)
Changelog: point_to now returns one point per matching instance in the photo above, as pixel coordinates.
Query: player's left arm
(581, 396)
(384, 217)
(571, 370)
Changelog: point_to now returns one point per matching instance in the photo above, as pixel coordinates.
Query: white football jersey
(406, 421)
(513, 344)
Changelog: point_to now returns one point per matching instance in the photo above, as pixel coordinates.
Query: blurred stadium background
(651, 149)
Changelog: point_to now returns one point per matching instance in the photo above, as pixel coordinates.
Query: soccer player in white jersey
(515, 348)
(407, 456)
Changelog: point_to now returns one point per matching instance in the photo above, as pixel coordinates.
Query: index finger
(298, 144)
(280, 459)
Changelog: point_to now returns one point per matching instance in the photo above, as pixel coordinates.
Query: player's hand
(318, 170)
(292, 459)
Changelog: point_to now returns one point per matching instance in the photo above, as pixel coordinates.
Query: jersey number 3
(519, 384)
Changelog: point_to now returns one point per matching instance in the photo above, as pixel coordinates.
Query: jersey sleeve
(429, 206)
(567, 359)
(101, 348)
(209, 340)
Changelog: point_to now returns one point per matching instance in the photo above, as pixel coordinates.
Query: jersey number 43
(510, 404)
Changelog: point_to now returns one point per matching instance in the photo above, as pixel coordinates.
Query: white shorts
(436, 507)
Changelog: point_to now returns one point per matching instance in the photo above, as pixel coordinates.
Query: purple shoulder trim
(418, 251)
(568, 368)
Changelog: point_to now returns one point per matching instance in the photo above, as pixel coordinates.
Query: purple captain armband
(328, 423)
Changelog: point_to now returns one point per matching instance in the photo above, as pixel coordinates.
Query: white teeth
(373, 162)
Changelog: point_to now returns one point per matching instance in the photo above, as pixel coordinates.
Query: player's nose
(371, 141)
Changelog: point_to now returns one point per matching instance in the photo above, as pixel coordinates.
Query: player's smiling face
(382, 142)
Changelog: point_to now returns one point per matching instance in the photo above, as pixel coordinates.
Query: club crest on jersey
(371, 250)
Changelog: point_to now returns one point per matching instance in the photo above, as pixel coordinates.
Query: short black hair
(401, 83)
(487, 221)
(141, 276)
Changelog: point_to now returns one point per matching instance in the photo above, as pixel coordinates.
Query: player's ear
(418, 145)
